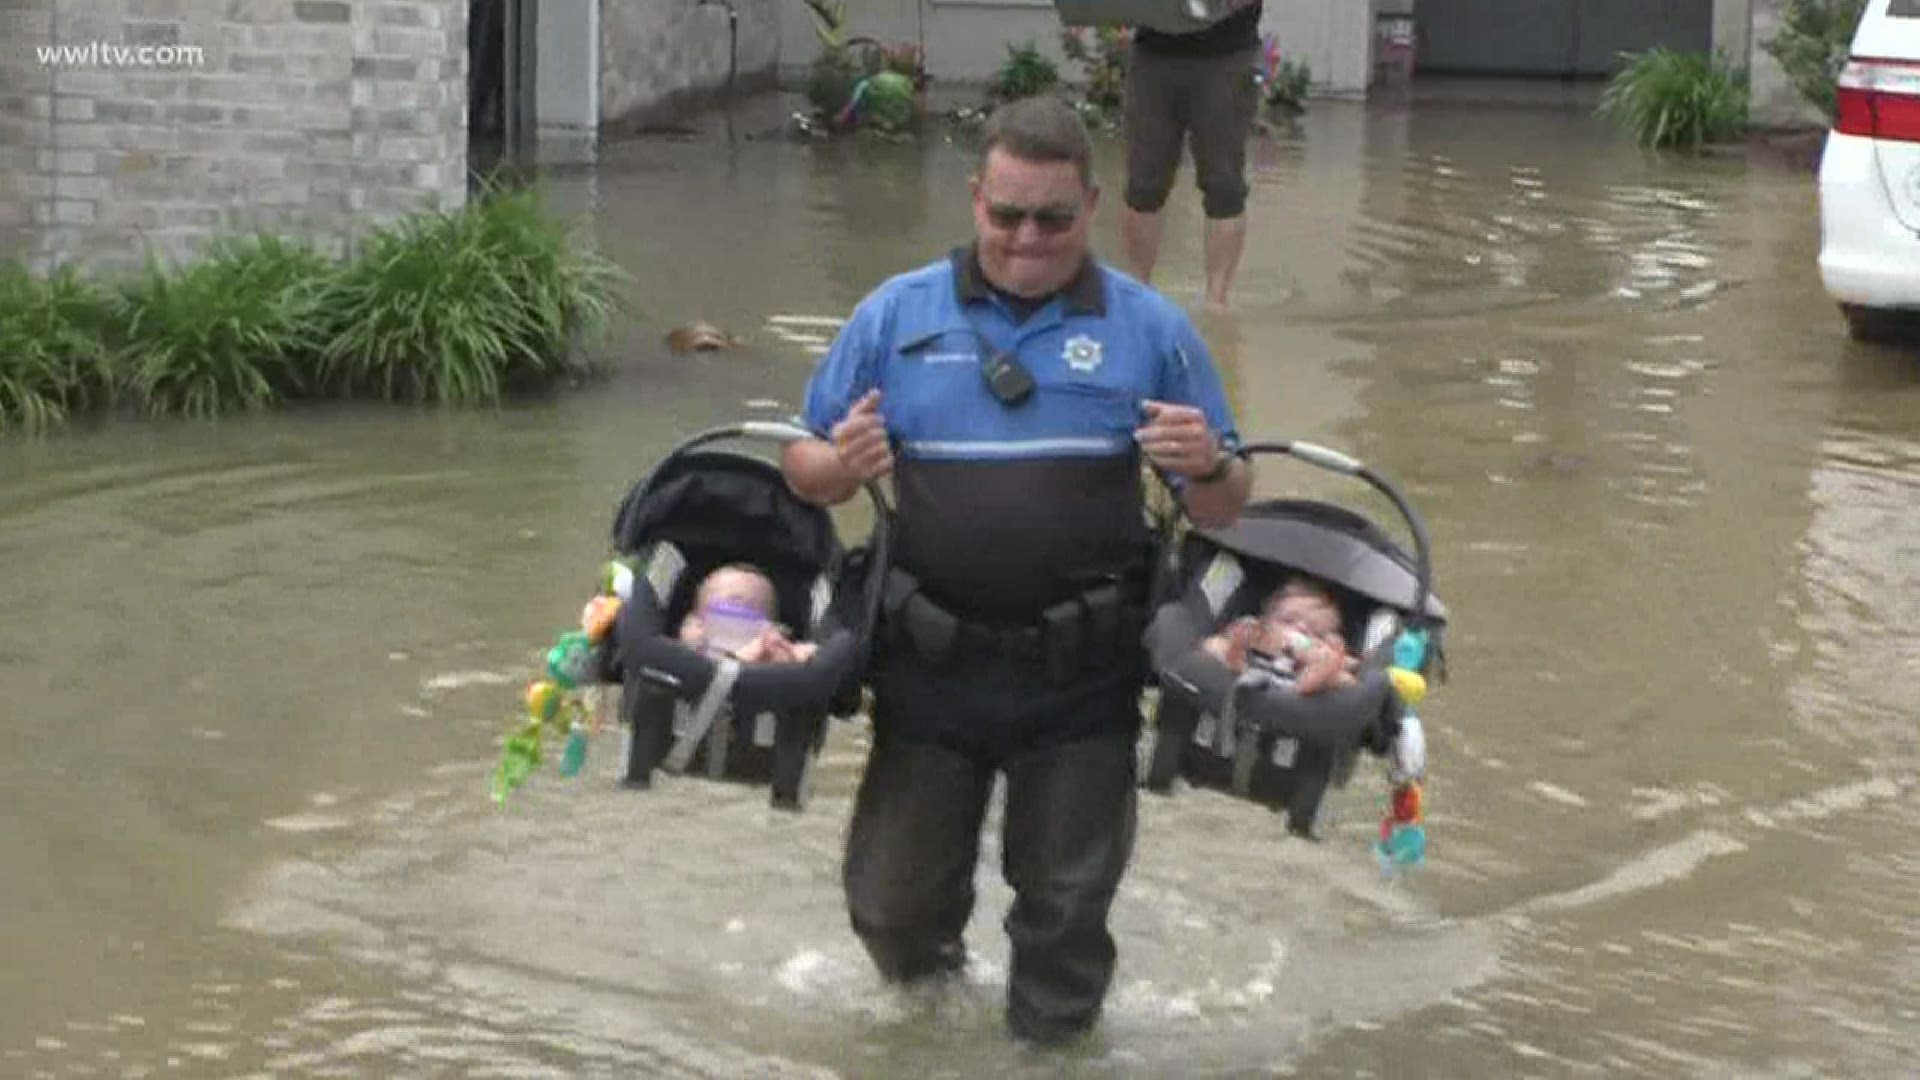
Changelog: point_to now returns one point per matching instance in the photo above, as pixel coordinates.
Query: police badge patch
(1082, 353)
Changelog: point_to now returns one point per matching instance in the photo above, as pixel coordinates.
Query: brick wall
(299, 116)
(662, 56)
(24, 112)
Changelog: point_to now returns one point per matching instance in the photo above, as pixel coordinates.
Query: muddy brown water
(256, 670)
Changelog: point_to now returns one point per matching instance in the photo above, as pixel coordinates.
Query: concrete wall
(1775, 102)
(967, 40)
(567, 64)
(295, 116)
(1334, 38)
(658, 56)
(1733, 28)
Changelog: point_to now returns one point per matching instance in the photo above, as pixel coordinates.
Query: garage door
(1553, 37)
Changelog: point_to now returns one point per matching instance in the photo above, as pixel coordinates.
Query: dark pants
(1211, 99)
(1068, 833)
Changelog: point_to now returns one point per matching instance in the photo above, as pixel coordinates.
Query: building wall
(301, 116)
(567, 64)
(657, 56)
(967, 40)
(1775, 103)
(25, 111)
(1733, 28)
(1334, 37)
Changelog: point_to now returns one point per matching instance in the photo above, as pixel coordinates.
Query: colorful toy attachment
(1409, 656)
(560, 701)
(1403, 833)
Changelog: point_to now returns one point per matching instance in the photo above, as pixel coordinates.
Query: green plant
(227, 333)
(53, 354)
(832, 75)
(885, 89)
(1284, 84)
(452, 306)
(1286, 90)
(830, 82)
(829, 22)
(1667, 98)
(1812, 46)
(1026, 72)
(1105, 64)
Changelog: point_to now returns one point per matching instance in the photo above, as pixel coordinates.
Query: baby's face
(738, 587)
(1310, 615)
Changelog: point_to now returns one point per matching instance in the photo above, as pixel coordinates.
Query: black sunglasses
(1057, 218)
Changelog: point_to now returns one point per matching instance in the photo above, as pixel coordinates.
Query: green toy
(559, 702)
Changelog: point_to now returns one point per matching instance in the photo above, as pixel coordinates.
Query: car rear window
(1904, 9)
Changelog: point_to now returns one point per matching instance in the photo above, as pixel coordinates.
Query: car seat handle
(774, 431)
(1325, 457)
(1335, 461)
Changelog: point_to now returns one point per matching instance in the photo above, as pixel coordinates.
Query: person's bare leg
(1226, 238)
(1140, 233)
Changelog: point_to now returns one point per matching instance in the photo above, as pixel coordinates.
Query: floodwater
(256, 671)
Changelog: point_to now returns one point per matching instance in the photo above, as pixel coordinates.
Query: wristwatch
(1222, 461)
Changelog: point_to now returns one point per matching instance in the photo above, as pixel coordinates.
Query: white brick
(69, 162)
(89, 136)
(67, 107)
(85, 187)
(87, 83)
(390, 41)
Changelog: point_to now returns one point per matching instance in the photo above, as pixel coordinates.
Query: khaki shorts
(1211, 99)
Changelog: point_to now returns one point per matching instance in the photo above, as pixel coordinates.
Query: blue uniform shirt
(1003, 510)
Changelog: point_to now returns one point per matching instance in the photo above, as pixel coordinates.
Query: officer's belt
(1090, 630)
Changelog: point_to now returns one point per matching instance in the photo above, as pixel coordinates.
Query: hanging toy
(1410, 685)
(1410, 650)
(574, 757)
(549, 707)
(560, 701)
(616, 580)
(570, 661)
(598, 620)
(1409, 657)
(1403, 833)
(518, 759)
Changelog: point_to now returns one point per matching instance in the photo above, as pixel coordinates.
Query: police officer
(1010, 390)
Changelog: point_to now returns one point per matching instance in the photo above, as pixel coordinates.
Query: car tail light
(1880, 99)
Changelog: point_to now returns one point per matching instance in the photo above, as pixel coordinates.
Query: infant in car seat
(1297, 636)
(732, 616)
